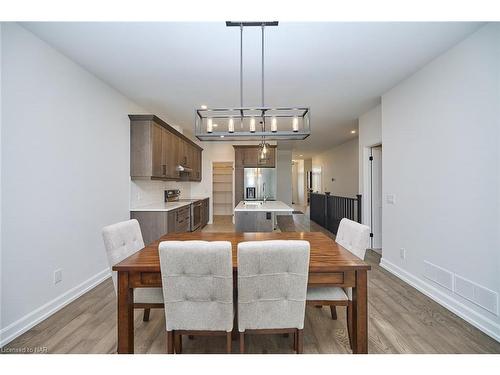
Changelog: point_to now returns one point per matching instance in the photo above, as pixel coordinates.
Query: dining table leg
(360, 313)
(125, 317)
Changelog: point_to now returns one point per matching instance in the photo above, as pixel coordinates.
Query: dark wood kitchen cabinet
(179, 220)
(248, 157)
(156, 149)
(154, 224)
(205, 212)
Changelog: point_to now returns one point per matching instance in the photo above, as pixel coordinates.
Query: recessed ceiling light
(203, 106)
(301, 155)
(222, 136)
(353, 131)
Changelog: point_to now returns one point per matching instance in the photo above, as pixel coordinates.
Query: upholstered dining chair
(197, 280)
(355, 237)
(272, 286)
(122, 240)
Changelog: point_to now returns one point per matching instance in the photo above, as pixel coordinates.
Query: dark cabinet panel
(248, 157)
(153, 224)
(156, 149)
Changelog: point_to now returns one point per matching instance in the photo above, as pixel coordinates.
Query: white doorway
(375, 198)
(316, 179)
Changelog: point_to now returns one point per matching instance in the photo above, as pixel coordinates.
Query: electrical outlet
(390, 198)
(57, 276)
(402, 253)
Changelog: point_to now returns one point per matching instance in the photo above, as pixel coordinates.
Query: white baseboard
(28, 321)
(479, 321)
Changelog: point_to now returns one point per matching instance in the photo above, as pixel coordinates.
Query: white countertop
(268, 206)
(166, 206)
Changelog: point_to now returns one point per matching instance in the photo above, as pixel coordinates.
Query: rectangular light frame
(266, 113)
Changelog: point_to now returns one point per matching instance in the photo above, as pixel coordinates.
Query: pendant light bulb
(274, 125)
(295, 124)
(209, 125)
(230, 125)
(264, 149)
(252, 125)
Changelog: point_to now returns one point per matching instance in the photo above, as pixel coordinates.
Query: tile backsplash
(143, 192)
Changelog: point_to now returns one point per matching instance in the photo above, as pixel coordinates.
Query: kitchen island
(259, 216)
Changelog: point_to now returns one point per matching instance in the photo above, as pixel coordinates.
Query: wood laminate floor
(401, 320)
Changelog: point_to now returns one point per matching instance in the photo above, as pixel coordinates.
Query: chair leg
(242, 342)
(300, 341)
(229, 342)
(295, 342)
(349, 322)
(333, 310)
(178, 343)
(145, 317)
(170, 342)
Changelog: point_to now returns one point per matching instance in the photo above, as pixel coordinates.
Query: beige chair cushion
(197, 279)
(122, 240)
(326, 294)
(355, 237)
(272, 284)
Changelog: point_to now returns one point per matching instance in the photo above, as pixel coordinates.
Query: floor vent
(481, 296)
(438, 275)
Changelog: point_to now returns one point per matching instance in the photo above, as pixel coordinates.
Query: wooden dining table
(330, 265)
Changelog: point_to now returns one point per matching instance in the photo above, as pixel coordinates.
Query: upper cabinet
(157, 149)
(248, 157)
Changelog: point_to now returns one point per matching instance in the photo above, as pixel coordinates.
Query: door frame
(366, 209)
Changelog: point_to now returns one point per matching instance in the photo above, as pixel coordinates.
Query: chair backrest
(121, 240)
(197, 278)
(272, 284)
(354, 236)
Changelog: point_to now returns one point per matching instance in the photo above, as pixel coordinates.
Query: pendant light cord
(263, 65)
(262, 82)
(241, 75)
(241, 66)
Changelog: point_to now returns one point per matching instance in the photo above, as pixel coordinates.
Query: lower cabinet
(253, 221)
(154, 224)
(179, 220)
(205, 212)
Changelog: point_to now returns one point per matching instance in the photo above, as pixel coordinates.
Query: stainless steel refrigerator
(259, 183)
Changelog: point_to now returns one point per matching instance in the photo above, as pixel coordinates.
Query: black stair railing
(327, 210)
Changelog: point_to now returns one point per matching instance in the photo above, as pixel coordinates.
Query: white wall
(441, 142)
(341, 164)
(1, 241)
(300, 182)
(307, 169)
(65, 166)
(284, 175)
(370, 134)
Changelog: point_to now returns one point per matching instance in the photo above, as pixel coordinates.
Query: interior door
(376, 196)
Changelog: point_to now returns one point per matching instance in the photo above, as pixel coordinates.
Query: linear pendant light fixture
(286, 123)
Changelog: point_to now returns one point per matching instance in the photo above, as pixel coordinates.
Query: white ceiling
(339, 70)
